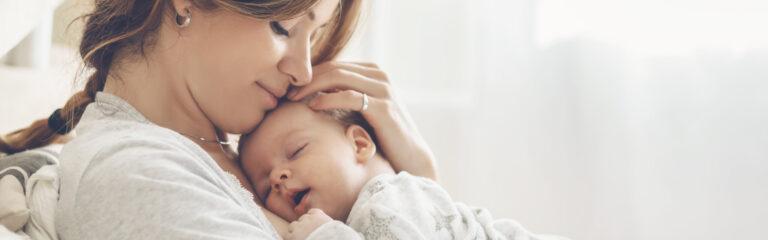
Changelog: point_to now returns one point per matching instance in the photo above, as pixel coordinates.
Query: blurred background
(592, 119)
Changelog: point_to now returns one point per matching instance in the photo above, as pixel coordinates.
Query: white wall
(27, 93)
(593, 119)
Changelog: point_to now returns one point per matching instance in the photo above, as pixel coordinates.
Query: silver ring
(365, 102)
(186, 19)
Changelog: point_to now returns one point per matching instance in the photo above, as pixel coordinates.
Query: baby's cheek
(280, 207)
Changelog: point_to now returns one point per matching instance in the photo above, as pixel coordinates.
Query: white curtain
(593, 119)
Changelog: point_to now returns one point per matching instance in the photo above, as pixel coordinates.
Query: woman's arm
(401, 142)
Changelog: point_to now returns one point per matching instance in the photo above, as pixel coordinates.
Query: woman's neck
(159, 92)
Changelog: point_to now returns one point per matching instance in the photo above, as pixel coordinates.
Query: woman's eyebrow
(311, 15)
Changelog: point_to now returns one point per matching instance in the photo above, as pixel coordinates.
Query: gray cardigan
(123, 177)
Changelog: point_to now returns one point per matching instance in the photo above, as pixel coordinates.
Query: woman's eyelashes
(279, 29)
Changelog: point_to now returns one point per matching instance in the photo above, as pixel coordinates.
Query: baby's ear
(361, 142)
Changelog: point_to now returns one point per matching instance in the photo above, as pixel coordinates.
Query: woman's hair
(129, 25)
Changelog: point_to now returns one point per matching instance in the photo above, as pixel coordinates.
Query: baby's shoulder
(403, 191)
(402, 182)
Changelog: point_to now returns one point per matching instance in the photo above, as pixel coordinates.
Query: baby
(320, 169)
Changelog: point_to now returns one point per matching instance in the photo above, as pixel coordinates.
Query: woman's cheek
(279, 44)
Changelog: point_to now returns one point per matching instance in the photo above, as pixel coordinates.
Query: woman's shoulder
(113, 140)
(150, 177)
(128, 140)
(110, 128)
(114, 144)
(104, 150)
(151, 188)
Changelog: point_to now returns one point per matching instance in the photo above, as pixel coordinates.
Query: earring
(186, 19)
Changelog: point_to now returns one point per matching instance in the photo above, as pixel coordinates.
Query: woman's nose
(298, 64)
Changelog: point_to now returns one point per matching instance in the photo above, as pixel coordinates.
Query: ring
(365, 102)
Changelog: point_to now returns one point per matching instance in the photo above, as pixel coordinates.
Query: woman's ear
(362, 143)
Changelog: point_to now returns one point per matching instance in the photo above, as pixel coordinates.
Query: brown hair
(115, 26)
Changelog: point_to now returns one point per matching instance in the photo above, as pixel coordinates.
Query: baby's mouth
(300, 196)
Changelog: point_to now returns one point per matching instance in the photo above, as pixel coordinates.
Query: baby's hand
(307, 223)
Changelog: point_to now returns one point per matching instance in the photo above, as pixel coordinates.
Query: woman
(171, 78)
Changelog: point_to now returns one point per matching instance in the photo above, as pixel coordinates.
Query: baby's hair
(346, 118)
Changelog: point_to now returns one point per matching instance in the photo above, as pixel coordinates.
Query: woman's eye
(279, 29)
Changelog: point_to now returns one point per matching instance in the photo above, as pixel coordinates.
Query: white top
(123, 177)
(404, 206)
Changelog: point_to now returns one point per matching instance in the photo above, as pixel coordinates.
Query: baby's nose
(283, 177)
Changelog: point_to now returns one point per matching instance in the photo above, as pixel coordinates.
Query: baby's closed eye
(297, 151)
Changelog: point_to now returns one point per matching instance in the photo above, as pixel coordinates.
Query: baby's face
(299, 159)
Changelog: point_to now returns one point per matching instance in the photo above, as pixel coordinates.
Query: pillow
(14, 172)
(6, 234)
(42, 196)
(13, 206)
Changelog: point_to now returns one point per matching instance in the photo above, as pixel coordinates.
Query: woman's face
(236, 66)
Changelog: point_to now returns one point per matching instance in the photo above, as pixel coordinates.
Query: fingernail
(292, 94)
(312, 103)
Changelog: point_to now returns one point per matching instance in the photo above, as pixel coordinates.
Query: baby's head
(299, 159)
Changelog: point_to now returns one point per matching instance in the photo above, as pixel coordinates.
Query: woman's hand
(398, 137)
(307, 223)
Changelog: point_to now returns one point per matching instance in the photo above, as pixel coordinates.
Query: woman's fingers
(340, 79)
(369, 70)
(346, 100)
(344, 84)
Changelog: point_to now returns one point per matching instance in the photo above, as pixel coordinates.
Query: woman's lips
(269, 97)
(302, 207)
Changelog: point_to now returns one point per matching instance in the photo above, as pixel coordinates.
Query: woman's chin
(249, 123)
